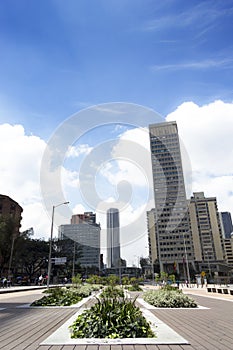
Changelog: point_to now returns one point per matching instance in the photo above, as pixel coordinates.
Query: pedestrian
(40, 279)
(4, 282)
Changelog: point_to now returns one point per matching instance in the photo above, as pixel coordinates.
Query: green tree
(8, 236)
(144, 262)
(31, 256)
(72, 251)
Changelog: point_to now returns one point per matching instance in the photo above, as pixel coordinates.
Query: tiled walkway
(205, 329)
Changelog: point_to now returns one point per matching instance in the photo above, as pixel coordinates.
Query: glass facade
(173, 237)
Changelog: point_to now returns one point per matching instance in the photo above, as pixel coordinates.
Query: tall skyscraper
(173, 238)
(226, 222)
(113, 238)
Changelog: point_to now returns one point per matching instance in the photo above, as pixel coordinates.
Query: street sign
(59, 261)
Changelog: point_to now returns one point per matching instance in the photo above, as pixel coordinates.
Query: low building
(11, 209)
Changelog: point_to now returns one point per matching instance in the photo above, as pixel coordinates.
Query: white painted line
(24, 306)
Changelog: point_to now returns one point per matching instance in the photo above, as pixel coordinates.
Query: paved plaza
(208, 327)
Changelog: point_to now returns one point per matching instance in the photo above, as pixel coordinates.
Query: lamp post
(186, 261)
(208, 260)
(11, 257)
(50, 243)
(73, 267)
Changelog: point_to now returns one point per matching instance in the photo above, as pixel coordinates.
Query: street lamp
(186, 261)
(50, 243)
(208, 260)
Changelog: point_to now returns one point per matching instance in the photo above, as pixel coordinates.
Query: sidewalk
(25, 288)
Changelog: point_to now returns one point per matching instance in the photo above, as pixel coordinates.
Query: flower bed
(112, 318)
(169, 298)
(62, 296)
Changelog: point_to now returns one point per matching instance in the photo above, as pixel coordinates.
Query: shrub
(125, 280)
(112, 280)
(112, 318)
(134, 288)
(96, 287)
(63, 296)
(83, 291)
(94, 279)
(77, 280)
(168, 287)
(112, 292)
(168, 298)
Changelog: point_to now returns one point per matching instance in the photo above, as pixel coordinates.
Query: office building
(228, 244)
(87, 236)
(173, 240)
(113, 238)
(88, 216)
(207, 235)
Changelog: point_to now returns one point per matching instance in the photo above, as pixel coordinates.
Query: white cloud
(203, 64)
(76, 151)
(130, 165)
(79, 209)
(34, 215)
(206, 132)
(132, 153)
(19, 170)
(69, 178)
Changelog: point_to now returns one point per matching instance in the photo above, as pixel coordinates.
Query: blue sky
(58, 58)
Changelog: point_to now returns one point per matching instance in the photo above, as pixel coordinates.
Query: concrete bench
(222, 290)
(225, 291)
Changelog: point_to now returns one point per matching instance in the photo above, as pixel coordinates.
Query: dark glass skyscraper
(227, 224)
(113, 238)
